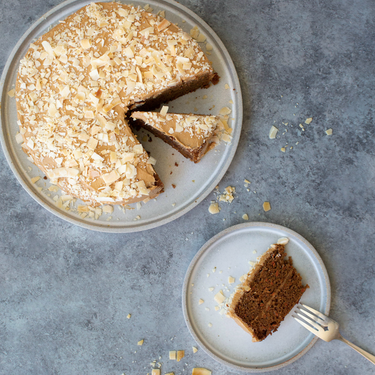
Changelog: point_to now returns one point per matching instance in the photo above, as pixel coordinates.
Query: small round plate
(229, 254)
(186, 184)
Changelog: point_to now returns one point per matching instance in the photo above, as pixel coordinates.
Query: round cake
(78, 81)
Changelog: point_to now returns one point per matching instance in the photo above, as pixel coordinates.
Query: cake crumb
(155, 371)
(214, 208)
(231, 280)
(217, 308)
(209, 324)
(209, 47)
(329, 131)
(204, 96)
(201, 301)
(11, 93)
(243, 277)
(200, 371)
(226, 86)
(266, 206)
(172, 355)
(214, 270)
(245, 216)
(129, 316)
(308, 120)
(211, 289)
(140, 342)
(195, 349)
(180, 355)
(282, 149)
(227, 195)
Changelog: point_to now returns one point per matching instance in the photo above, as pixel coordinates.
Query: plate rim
(202, 251)
(128, 227)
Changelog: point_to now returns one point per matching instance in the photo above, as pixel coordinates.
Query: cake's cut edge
(191, 144)
(251, 276)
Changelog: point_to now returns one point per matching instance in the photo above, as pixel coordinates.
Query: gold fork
(324, 327)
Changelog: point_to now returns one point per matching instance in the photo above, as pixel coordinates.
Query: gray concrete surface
(65, 291)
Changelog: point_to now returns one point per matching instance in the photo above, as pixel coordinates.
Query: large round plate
(193, 182)
(229, 254)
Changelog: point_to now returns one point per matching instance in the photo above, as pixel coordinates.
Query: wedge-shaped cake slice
(77, 82)
(268, 293)
(191, 135)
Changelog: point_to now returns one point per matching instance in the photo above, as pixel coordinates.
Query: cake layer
(190, 134)
(267, 295)
(75, 85)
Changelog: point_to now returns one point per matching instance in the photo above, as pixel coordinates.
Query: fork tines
(309, 318)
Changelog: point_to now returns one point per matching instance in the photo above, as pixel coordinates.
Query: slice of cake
(268, 293)
(189, 134)
(77, 82)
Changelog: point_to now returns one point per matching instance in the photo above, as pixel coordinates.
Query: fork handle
(367, 355)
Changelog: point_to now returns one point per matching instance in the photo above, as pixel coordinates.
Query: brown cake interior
(268, 294)
(192, 154)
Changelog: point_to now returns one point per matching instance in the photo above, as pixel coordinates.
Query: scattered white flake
(210, 324)
(214, 208)
(225, 111)
(211, 289)
(266, 206)
(164, 110)
(219, 297)
(19, 138)
(273, 132)
(107, 209)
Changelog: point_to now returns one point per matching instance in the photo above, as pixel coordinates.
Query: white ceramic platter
(193, 182)
(228, 254)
